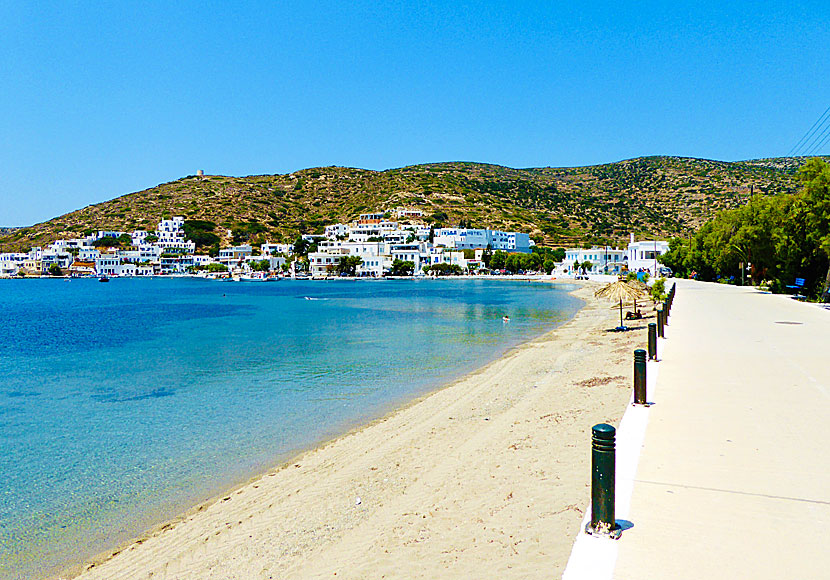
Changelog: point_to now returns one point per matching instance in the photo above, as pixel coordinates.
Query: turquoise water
(123, 404)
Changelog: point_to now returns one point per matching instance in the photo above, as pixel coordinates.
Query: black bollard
(639, 377)
(652, 341)
(603, 466)
(666, 314)
(660, 330)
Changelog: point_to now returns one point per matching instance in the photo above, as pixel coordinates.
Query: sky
(102, 99)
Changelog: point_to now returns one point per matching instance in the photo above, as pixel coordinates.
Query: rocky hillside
(648, 196)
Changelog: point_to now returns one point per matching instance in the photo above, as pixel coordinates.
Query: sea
(123, 404)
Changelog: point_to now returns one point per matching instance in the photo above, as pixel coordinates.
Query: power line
(811, 147)
(817, 148)
(809, 133)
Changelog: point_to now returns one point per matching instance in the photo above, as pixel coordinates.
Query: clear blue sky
(97, 101)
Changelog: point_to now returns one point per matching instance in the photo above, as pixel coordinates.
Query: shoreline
(193, 542)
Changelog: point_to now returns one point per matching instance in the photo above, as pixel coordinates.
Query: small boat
(103, 279)
(505, 319)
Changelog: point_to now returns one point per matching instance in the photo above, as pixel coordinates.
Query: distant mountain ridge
(648, 196)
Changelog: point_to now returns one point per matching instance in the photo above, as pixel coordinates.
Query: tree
(487, 255)
(348, 265)
(513, 263)
(200, 232)
(107, 242)
(658, 290)
(587, 265)
(55, 270)
(245, 232)
(498, 260)
(402, 268)
(301, 246)
(783, 236)
(260, 265)
(216, 267)
(815, 175)
(532, 261)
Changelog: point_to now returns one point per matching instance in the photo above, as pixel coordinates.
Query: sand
(486, 477)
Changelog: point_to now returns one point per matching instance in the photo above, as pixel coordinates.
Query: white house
(407, 213)
(108, 265)
(88, 254)
(408, 253)
(642, 256)
(334, 231)
(270, 249)
(229, 256)
(604, 260)
(10, 263)
(138, 237)
(324, 263)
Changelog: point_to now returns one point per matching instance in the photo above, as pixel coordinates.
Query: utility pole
(655, 257)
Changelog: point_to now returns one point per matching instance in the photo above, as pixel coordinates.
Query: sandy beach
(486, 477)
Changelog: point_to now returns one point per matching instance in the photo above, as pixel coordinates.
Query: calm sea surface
(123, 404)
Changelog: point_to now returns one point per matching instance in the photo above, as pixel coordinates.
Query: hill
(663, 196)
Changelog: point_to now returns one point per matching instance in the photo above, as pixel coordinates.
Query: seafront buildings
(642, 256)
(377, 240)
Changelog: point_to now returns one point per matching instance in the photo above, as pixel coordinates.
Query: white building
(363, 231)
(270, 249)
(404, 213)
(324, 263)
(11, 263)
(201, 260)
(149, 253)
(335, 231)
(138, 237)
(274, 262)
(604, 260)
(100, 234)
(88, 254)
(470, 239)
(414, 252)
(65, 245)
(374, 255)
(230, 256)
(171, 236)
(108, 265)
(642, 256)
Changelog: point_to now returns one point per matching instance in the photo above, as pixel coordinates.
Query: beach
(487, 476)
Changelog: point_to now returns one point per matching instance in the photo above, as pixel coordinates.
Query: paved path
(734, 476)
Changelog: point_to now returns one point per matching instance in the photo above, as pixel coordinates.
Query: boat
(103, 279)
(505, 319)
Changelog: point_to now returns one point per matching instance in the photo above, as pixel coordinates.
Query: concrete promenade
(733, 480)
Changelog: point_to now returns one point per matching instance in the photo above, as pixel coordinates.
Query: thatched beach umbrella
(620, 291)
